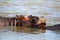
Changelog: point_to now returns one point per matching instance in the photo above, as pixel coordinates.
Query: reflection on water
(28, 30)
(12, 33)
(23, 29)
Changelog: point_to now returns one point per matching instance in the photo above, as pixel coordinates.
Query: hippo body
(29, 21)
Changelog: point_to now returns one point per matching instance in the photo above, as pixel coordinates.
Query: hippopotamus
(42, 22)
(25, 21)
(34, 20)
(18, 20)
(30, 21)
(38, 22)
(21, 20)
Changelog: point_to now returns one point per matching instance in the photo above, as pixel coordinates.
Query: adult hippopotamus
(30, 21)
(37, 21)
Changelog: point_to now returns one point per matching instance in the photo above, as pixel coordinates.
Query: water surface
(7, 33)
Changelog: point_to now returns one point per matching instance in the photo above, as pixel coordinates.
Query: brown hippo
(30, 21)
(25, 21)
(34, 20)
(17, 20)
(37, 22)
(21, 20)
(42, 22)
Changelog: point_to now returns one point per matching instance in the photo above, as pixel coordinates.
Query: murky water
(10, 33)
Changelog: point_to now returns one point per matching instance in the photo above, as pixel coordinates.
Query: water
(7, 33)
